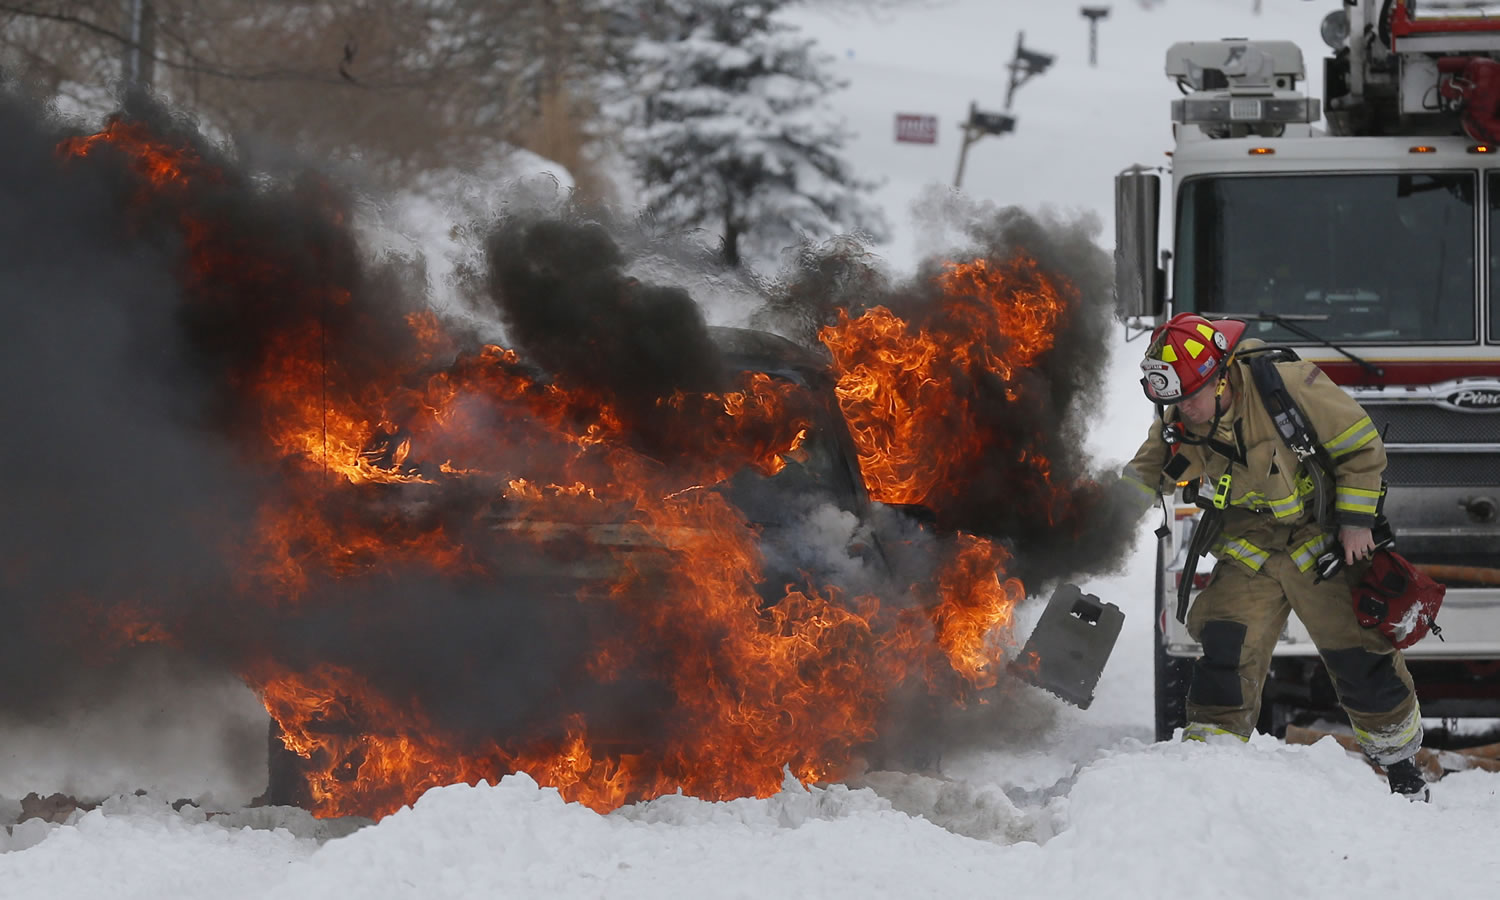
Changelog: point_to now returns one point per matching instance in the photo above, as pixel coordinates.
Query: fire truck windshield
(1362, 258)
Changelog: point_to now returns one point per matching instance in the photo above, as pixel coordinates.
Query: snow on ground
(1062, 803)
(1144, 821)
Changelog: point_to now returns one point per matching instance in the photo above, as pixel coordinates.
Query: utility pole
(140, 53)
(1025, 65)
(976, 126)
(1094, 14)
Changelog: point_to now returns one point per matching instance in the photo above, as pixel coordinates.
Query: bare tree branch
(191, 62)
(408, 82)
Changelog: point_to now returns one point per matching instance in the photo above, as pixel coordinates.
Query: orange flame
(976, 607)
(161, 162)
(901, 389)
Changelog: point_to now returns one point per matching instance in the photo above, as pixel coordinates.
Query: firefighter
(1214, 425)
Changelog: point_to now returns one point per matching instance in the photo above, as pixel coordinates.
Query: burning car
(628, 554)
(582, 555)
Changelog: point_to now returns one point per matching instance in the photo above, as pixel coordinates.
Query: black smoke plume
(114, 492)
(132, 477)
(559, 287)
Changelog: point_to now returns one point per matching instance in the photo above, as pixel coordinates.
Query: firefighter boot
(1406, 779)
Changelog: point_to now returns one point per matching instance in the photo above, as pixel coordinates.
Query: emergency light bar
(1237, 65)
(1237, 87)
(1245, 110)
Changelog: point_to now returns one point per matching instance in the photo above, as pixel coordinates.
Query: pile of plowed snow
(1142, 821)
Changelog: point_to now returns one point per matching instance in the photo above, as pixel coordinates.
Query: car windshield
(818, 472)
(1365, 258)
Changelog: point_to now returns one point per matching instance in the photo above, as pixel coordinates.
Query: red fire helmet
(1186, 353)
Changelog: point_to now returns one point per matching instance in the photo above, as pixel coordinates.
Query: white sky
(1059, 802)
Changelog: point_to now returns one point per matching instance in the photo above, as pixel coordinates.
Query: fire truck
(1362, 229)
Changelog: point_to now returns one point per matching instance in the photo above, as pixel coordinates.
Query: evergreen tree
(733, 132)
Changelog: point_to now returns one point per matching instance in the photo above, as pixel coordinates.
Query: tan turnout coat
(1270, 541)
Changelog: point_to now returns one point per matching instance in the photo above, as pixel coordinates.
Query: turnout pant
(1238, 618)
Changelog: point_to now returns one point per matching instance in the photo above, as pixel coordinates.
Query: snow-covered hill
(1057, 802)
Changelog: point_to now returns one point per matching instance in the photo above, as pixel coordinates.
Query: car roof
(747, 349)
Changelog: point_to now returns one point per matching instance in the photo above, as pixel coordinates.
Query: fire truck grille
(1442, 469)
(1411, 423)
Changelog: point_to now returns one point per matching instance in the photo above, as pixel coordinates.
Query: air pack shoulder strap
(1291, 423)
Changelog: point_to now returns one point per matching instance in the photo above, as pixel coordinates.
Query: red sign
(915, 129)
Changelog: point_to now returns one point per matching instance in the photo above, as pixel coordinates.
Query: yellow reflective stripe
(1283, 508)
(1307, 554)
(1244, 551)
(1250, 499)
(1135, 482)
(1395, 738)
(1287, 507)
(1197, 731)
(1390, 744)
(1352, 438)
(1357, 500)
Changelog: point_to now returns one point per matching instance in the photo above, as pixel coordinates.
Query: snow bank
(139, 847)
(1144, 821)
(1235, 820)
